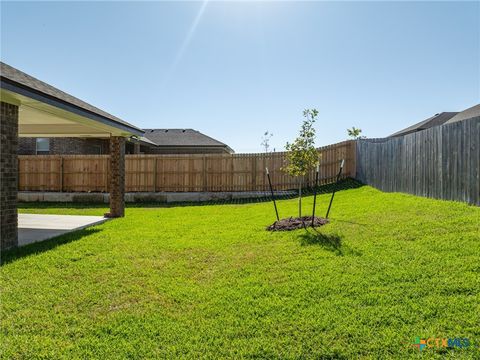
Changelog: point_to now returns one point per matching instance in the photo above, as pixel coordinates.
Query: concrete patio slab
(38, 227)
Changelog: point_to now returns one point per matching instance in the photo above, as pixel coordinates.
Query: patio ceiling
(36, 119)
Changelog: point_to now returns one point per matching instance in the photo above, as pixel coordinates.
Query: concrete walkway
(39, 227)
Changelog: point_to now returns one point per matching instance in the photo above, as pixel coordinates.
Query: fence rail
(442, 162)
(179, 173)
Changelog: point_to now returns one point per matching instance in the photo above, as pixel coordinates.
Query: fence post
(264, 166)
(155, 174)
(220, 172)
(254, 173)
(61, 173)
(353, 159)
(232, 175)
(204, 174)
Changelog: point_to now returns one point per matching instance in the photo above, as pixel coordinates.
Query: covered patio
(32, 108)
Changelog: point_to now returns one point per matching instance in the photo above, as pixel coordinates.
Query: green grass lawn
(210, 282)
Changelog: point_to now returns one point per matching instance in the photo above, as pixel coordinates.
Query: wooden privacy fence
(180, 173)
(442, 162)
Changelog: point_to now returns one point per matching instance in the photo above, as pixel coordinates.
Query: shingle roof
(435, 120)
(182, 137)
(11, 74)
(144, 140)
(471, 112)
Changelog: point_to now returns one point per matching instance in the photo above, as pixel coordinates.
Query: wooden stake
(335, 187)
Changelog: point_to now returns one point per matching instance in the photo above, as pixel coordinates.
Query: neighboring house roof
(143, 140)
(182, 138)
(12, 78)
(435, 120)
(471, 112)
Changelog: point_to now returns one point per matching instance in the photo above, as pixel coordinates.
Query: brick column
(8, 175)
(117, 176)
(136, 148)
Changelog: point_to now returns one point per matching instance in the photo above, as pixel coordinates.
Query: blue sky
(236, 69)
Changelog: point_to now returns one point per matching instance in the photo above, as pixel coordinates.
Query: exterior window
(43, 146)
(97, 149)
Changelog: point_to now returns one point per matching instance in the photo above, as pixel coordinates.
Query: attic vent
(151, 130)
(437, 114)
(183, 130)
(166, 130)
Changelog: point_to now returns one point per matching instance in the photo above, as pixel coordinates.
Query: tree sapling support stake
(335, 187)
(315, 194)
(271, 190)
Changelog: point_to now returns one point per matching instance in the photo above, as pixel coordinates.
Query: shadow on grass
(329, 242)
(12, 255)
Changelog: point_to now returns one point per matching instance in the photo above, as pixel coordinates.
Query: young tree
(266, 140)
(354, 133)
(302, 156)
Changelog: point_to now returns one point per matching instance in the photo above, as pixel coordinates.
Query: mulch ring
(296, 223)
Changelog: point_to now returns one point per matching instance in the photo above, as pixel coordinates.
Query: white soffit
(38, 119)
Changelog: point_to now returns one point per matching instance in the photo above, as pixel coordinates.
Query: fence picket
(440, 162)
(180, 173)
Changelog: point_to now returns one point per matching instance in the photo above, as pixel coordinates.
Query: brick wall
(26, 146)
(66, 146)
(78, 146)
(82, 146)
(117, 176)
(8, 175)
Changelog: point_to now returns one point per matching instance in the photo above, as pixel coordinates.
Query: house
(440, 119)
(469, 113)
(435, 120)
(154, 141)
(34, 109)
(182, 141)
